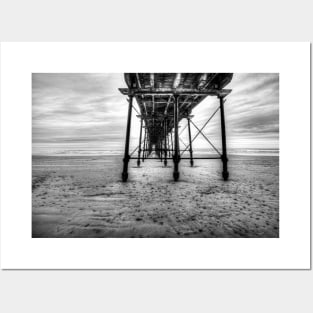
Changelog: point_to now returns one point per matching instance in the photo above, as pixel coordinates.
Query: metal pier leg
(139, 150)
(126, 153)
(172, 143)
(165, 145)
(144, 146)
(190, 143)
(161, 146)
(176, 138)
(224, 155)
(165, 153)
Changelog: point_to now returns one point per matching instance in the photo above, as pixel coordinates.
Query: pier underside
(164, 99)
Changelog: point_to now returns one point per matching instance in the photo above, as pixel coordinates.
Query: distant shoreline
(121, 155)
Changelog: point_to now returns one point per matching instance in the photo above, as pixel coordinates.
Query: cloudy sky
(85, 113)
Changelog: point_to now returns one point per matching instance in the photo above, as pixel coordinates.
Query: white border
(290, 251)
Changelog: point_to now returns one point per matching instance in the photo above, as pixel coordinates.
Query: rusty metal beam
(177, 80)
(208, 82)
(152, 80)
(170, 92)
(167, 105)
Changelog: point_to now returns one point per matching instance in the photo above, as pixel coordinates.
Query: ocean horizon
(198, 152)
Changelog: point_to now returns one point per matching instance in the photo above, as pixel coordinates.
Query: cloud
(251, 112)
(77, 107)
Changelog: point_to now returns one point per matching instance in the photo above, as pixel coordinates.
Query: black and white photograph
(155, 155)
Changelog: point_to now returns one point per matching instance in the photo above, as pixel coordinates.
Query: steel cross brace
(206, 138)
(182, 142)
(200, 132)
(134, 150)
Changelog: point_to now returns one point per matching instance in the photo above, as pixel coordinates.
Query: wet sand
(84, 197)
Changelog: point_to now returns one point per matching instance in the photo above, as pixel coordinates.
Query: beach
(84, 197)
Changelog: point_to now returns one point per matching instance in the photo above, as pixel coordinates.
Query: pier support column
(176, 157)
(165, 143)
(139, 150)
(172, 143)
(126, 152)
(225, 173)
(190, 143)
(144, 145)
